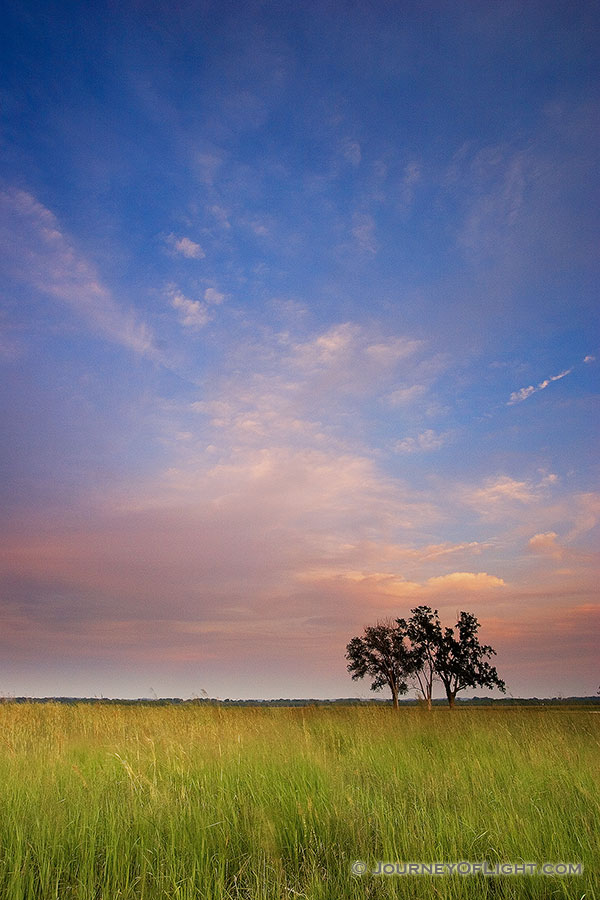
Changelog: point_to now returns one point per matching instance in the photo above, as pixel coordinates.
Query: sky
(298, 331)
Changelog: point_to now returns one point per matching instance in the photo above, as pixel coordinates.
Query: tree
(424, 632)
(421, 650)
(382, 655)
(461, 661)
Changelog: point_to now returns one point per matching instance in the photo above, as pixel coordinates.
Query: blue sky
(298, 330)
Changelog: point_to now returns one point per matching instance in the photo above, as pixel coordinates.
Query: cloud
(261, 226)
(524, 393)
(504, 488)
(186, 247)
(363, 230)
(434, 551)
(584, 513)
(589, 359)
(423, 443)
(208, 165)
(406, 395)
(495, 179)
(302, 392)
(213, 297)
(333, 349)
(546, 544)
(352, 152)
(241, 525)
(521, 223)
(259, 518)
(411, 177)
(269, 504)
(222, 216)
(393, 349)
(503, 498)
(265, 480)
(533, 511)
(35, 251)
(194, 314)
(521, 394)
(465, 581)
(384, 588)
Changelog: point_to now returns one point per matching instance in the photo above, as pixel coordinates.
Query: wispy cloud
(423, 443)
(584, 513)
(410, 178)
(185, 247)
(351, 151)
(500, 495)
(213, 297)
(495, 178)
(303, 391)
(406, 395)
(524, 393)
(221, 215)
(363, 231)
(35, 251)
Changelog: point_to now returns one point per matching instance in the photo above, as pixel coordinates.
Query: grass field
(118, 802)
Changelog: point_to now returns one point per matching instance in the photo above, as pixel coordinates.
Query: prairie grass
(119, 802)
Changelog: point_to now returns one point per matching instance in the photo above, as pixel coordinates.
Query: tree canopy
(382, 655)
(421, 651)
(461, 661)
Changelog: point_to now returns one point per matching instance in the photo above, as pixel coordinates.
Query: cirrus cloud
(524, 393)
(35, 250)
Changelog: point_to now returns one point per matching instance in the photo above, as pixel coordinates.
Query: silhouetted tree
(424, 632)
(461, 661)
(420, 650)
(382, 655)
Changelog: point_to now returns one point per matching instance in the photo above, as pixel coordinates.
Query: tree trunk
(451, 695)
(429, 703)
(395, 697)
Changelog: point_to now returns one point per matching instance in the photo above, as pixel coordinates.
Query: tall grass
(115, 803)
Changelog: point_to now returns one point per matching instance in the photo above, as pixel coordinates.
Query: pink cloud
(465, 581)
(546, 544)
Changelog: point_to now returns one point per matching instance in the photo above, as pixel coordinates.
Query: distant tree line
(303, 702)
(420, 652)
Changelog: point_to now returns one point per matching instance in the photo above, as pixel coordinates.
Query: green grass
(122, 802)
